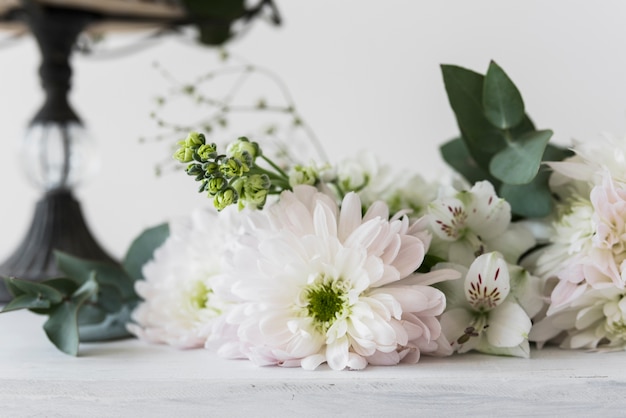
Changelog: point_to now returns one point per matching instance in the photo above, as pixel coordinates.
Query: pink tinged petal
(302, 345)
(297, 218)
(312, 362)
(365, 234)
(309, 196)
(430, 278)
(583, 339)
(337, 331)
(350, 216)
(391, 249)
(391, 304)
(383, 333)
(573, 170)
(231, 350)
(384, 359)
(376, 271)
(357, 329)
(377, 209)
(401, 299)
(410, 256)
(356, 362)
(337, 354)
(290, 363)
(433, 326)
(362, 347)
(402, 333)
(413, 328)
(588, 316)
(411, 355)
(324, 221)
(508, 325)
(564, 293)
(389, 275)
(487, 281)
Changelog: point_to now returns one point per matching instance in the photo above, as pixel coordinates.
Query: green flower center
(326, 300)
(199, 296)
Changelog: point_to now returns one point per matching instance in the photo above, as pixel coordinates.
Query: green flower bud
(203, 186)
(194, 169)
(255, 198)
(255, 191)
(303, 175)
(241, 146)
(211, 168)
(184, 155)
(216, 185)
(194, 140)
(257, 182)
(207, 151)
(225, 198)
(232, 167)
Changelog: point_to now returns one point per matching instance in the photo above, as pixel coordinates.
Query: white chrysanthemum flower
(322, 284)
(594, 320)
(179, 304)
(593, 157)
(571, 236)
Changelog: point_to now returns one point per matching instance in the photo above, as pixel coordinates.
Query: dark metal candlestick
(58, 223)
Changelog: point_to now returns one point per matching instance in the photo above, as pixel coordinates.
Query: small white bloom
(472, 222)
(179, 304)
(483, 314)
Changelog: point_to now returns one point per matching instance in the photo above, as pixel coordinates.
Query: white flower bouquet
(351, 264)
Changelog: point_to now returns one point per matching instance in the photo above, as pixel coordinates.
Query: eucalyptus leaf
(62, 325)
(532, 200)
(502, 101)
(465, 90)
(142, 249)
(26, 301)
(525, 126)
(62, 284)
(107, 273)
(456, 154)
(519, 162)
(109, 298)
(39, 289)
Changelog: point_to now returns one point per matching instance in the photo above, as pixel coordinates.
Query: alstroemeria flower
(483, 315)
(473, 222)
(319, 283)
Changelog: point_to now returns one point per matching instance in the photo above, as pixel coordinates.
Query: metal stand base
(58, 225)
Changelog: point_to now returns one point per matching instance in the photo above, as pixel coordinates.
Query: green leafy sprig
(95, 299)
(498, 140)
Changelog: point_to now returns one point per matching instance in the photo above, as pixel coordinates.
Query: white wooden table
(130, 378)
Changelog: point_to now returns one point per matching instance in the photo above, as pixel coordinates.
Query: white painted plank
(130, 378)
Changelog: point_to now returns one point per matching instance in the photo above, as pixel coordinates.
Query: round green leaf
(502, 101)
(519, 162)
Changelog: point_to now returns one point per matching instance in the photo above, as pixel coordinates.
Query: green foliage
(94, 301)
(498, 141)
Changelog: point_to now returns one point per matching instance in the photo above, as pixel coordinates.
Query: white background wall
(364, 73)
